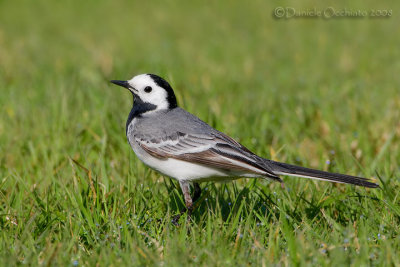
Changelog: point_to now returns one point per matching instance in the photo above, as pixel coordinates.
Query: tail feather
(280, 168)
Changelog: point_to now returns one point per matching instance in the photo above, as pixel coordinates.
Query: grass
(315, 92)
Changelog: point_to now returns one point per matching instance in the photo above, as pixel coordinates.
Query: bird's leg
(188, 199)
(186, 194)
(282, 185)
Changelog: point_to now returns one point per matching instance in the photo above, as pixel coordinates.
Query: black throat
(139, 107)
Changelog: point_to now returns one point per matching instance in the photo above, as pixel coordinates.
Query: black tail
(292, 170)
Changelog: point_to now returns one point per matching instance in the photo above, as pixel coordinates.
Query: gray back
(169, 122)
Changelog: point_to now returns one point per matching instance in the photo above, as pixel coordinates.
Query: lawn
(317, 92)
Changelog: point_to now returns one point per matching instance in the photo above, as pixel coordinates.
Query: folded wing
(215, 150)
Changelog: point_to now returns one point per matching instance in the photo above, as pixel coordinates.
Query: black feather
(164, 84)
(139, 107)
(288, 169)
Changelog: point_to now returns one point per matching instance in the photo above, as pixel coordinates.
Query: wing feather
(218, 151)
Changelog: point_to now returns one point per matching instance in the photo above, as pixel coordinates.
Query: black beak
(121, 83)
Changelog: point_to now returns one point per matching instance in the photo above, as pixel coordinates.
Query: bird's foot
(176, 218)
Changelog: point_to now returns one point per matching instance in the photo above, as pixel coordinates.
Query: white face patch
(156, 95)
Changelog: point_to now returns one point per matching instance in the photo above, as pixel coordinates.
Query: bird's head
(150, 90)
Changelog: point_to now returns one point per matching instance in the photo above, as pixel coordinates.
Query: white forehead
(141, 81)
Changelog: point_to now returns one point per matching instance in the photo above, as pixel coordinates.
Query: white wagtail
(180, 145)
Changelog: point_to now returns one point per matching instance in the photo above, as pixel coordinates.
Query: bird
(181, 146)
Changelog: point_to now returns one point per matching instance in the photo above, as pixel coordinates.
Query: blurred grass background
(311, 91)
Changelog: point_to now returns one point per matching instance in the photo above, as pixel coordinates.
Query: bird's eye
(148, 89)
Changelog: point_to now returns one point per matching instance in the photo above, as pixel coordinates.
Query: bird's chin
(136, 99)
